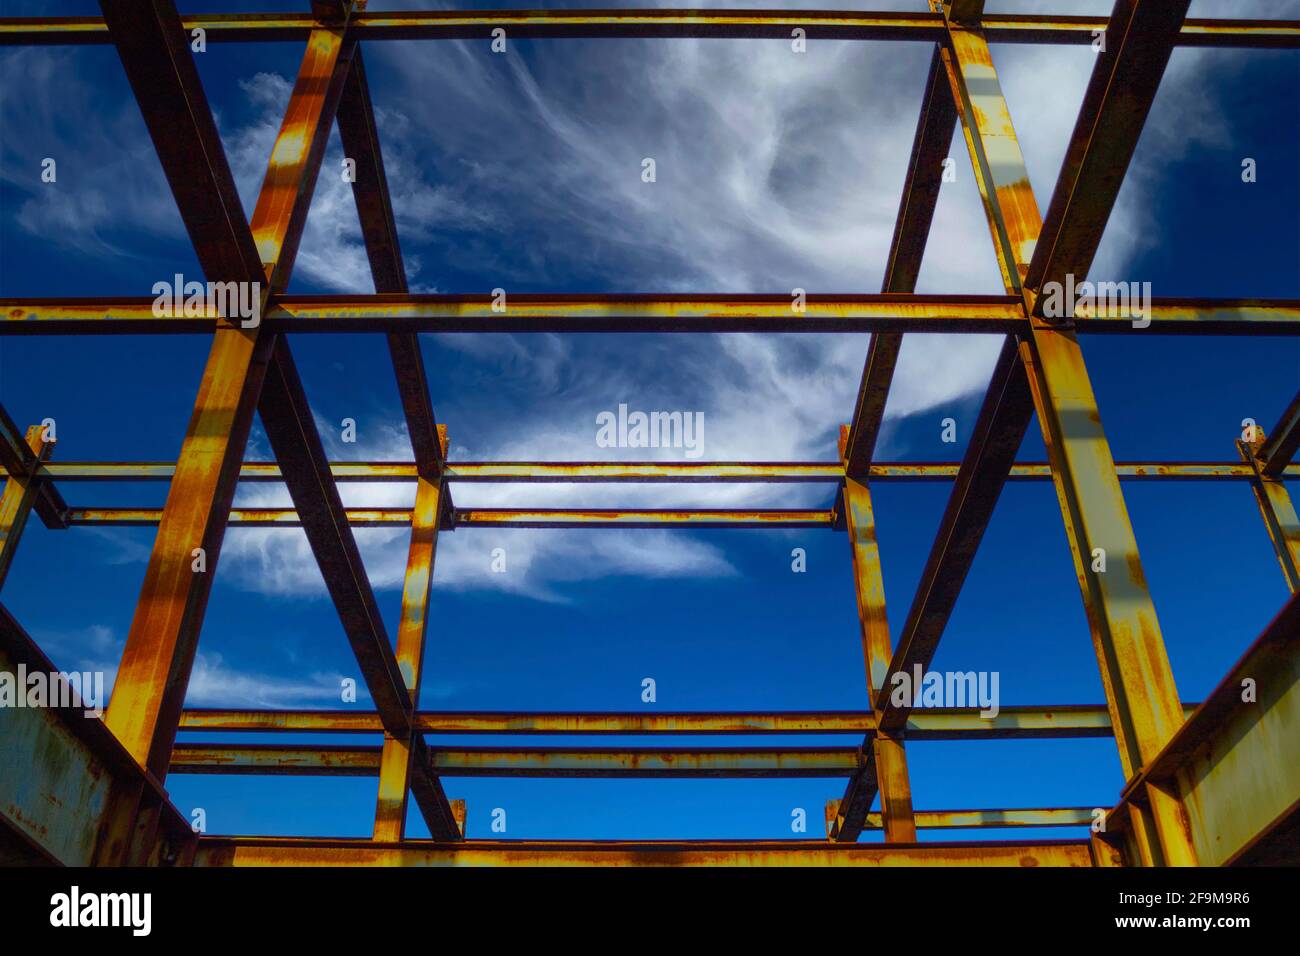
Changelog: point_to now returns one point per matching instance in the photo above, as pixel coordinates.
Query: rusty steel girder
(1205, 784)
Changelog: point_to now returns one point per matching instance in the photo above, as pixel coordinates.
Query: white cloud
(213, 682)
(775, 170)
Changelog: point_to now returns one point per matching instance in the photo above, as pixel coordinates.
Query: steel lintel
(268, 851)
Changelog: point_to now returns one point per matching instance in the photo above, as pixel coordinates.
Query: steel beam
(1278, 512)
(883, 765)
(379, 229)
(154, 49)
(638, 313)
(525, 312)
(160, 646)
(270, 851)
(1139, 40)
(18, 459)
(485, 517)
(1126, 634)
(70, 790)
(997, 435)
(403, 767)
(534, 762)
(930, 148)
(20, 494)
(985, 819)
(977, 819)
(936, 723)
(1281, 443)
(589, 472)
(775, 24)
(287, 418)
(1232, 763)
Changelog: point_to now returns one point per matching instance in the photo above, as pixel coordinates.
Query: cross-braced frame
(1183, 764)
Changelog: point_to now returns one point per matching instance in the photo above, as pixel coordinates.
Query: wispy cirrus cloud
(774, 170)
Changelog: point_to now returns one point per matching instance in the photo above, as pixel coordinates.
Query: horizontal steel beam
(777, 24)
(564, 472)
(892, 312)
(1013, 722)
(508, 762)
(984, 819)
(492, 517)
(278, 851)
(521, 312)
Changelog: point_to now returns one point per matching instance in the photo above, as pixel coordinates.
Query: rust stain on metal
(1208, 783)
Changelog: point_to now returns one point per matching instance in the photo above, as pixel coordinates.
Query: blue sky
(775, 171)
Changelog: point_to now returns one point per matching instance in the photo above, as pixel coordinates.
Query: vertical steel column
(1278, 512)
(400, 753)
(404, 764)
(1140, 691)
(885, 766)
(19, 495)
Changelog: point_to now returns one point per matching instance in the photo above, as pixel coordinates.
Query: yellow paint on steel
(890, 763)
(1136, 675)
(161, 644)
(1278, 512)
(17, 499)
(396, 763)
(632, 472)
(923, 724)
(432, 25)
(267, 851)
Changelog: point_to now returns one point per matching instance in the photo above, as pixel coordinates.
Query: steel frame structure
(1206, 784)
